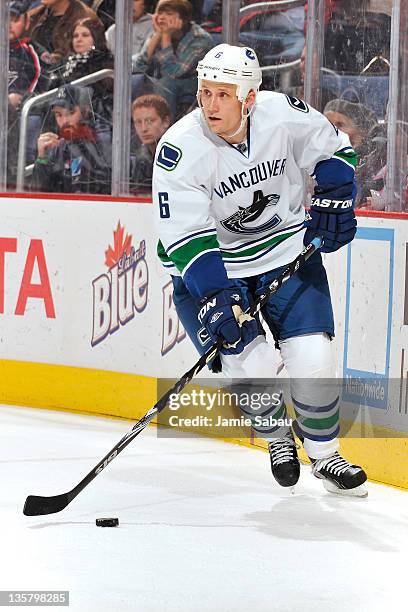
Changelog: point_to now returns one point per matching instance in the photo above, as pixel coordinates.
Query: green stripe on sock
(317, 424)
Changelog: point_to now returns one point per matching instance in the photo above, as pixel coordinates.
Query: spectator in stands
(71, 161)
(354, 119)
(151, 118)
(51, 26)
(24, 72)
(171, 54)
(142, 28)
(369, 140)
(88, 54)
(24, 64)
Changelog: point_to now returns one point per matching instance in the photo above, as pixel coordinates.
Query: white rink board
(369, 306)
(368, 286)
(72, 237)
(367, 283)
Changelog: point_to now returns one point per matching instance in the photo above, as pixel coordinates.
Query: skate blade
(359, 491)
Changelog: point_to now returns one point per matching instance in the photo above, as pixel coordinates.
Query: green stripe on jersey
(258, 247)
(350, 157)
(161, 253)
(182, 256)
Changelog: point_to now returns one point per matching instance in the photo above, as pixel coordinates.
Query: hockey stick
(37, 505)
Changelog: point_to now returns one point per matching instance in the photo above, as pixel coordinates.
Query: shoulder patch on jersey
(297, 104)
(169, 156)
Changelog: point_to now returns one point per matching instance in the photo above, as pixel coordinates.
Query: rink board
(87, 321)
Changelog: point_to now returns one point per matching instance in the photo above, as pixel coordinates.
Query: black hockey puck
(107, 522)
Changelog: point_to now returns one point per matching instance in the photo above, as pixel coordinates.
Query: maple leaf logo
(121, 246)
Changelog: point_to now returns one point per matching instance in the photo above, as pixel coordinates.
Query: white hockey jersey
(248, 205)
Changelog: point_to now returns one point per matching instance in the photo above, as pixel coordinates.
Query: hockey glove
(331, 216)
(222, 315)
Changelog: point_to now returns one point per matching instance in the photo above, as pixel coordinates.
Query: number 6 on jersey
(164, 205)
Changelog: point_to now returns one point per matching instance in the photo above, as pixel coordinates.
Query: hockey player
(228, 193)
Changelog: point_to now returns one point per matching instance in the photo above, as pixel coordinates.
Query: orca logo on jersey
(241, 221)
(168, 157)
(250, 54)
(298, 104)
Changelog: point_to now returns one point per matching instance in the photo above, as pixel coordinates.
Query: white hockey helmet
(228, 64)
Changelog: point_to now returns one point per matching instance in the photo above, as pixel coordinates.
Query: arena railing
(279, 5)
(38, 101)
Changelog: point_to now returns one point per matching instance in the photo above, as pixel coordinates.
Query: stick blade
(35, 505)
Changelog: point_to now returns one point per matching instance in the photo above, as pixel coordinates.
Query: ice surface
(203, 527)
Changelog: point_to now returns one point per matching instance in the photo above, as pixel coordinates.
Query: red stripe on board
(382, 214)
(379, 214)
(78, 198)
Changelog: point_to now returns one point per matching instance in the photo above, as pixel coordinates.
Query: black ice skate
(339, 476)
(284, 460)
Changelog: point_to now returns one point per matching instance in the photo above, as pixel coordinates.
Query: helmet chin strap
(244, 116)
(244, 119)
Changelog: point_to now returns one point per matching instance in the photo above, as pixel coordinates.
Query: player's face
(67, 117)
(149, 126)
(16, 27)
(347, 125)
(221, 107)
(82, 39)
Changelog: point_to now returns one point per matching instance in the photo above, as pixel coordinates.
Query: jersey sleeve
(181, 189)
(322, 149)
